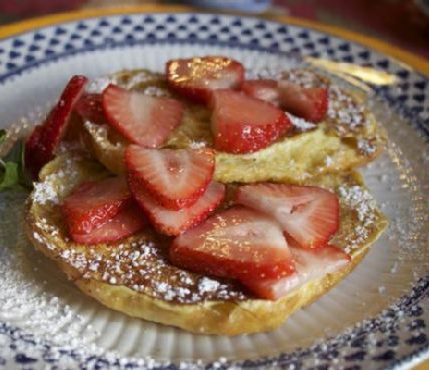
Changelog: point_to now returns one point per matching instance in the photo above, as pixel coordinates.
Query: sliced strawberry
(308, 103)
(171, 222)
(36, 154)
(126, 223)
(142, 119)
(94, 203)
(175, 178)
(308, 214)
(237, 243)
(310, 264)
(263, 89)
(242, 124)
(90, 107)
(195, 78)
(41, 145)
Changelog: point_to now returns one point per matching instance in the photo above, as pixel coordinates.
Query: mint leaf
(10, 176)
(12, 168)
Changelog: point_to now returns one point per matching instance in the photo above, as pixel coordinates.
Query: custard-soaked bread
(348, 137)
(134, 275)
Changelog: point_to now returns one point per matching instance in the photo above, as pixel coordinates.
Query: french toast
(347, 138)
(198, 199)
(134, 275)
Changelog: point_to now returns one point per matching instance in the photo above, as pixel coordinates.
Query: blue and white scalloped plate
(376, 318)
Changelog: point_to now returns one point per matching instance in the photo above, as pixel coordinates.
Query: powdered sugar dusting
(361, 201)
(54, 186)
(347, 113)
(24, 299)
(306, 78)
(300, 124)
(139, 264)
(156, 91)
(97, 85)
(364, 207)
(45, 192)
(197, 144)
(208, 285)
(367, 146)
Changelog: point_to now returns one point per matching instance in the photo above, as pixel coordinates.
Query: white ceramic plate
(375, 318)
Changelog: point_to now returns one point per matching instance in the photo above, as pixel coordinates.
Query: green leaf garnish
(12, 167)
(10, 176)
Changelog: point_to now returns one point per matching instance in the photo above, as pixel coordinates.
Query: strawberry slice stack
(125, 223)
(309, 217)
(173, 187)
(307, 214)
(242, 124)
(251, 242)
(273, 239)
(93, 203)
(309, 103)
(166, 173)
(101, 212)
(276, 241)
(237, 243)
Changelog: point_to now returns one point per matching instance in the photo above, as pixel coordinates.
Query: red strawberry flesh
(262, 89)
(308, 214)
(171, 222)
(41, 145)
(310, 264)
(94, 203)
(237, 243)
(195, 78)
(242, 124)
(90, 107)
(142, 119)
(308, 103)
(175, 178)
(125, 223)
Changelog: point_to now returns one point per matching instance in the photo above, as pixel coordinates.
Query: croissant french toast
(347, 138)
(134, 275)
(200, 200)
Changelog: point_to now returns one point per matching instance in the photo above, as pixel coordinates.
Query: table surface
(416, 59)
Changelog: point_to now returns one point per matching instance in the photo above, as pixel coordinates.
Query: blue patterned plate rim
(418, 114)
